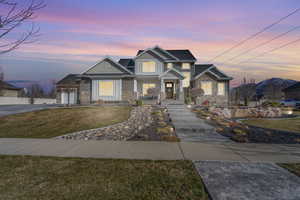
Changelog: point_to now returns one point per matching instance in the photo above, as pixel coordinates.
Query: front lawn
(293, 167)
(27, 178)
(55, 122)
(280, 124)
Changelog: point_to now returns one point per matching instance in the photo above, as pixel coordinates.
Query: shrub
(99, 102)
(139, 102)
(170, 138)
(270, 104)
(188, 100)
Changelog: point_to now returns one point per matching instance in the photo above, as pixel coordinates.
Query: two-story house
(152, 73)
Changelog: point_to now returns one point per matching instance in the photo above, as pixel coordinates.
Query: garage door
(69, 97)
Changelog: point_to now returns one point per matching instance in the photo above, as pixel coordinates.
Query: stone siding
(85, 92)
(128, 89)
(214, 99)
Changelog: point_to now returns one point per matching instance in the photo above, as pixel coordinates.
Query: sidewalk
(152, 150)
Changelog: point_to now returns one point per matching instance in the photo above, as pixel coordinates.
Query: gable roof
(128, 63)
(111, 61)
(173, 70)
(157, 52)
(292, 87)
(179, 54)
(69, 79)
(211, 69)
(8, 86)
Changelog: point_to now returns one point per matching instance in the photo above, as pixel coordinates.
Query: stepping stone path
(248, 181)
(190, 128)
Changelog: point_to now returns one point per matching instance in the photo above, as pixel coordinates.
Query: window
(148, 66)
(186, 66)
(221, 88)
(206, 86)
(170, 65)
(187, 79)
(146, 87)
(106, 88)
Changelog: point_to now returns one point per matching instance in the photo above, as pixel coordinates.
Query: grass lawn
(60, 121)
(28, 178)
(294, 168)
(281, 124)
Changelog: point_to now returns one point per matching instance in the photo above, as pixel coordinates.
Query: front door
(169, 90)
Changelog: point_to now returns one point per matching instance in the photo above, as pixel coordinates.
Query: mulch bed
(243, 133)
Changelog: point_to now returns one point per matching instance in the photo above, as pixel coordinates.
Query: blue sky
(75, 34)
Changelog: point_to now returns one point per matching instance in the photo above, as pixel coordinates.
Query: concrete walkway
(190, 128)
(152, 150)
(248, 181)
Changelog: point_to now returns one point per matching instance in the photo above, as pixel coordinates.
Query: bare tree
(1, 74)
(16, 15)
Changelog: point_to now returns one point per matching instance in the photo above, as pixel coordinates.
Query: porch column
(162, 89)
(135, 88)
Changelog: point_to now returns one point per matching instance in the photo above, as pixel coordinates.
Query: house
(154, 73)
(8, 90)
(292, 92)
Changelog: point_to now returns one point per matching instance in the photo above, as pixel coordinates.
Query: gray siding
(104, 67)
(147, 57)
(117, 93)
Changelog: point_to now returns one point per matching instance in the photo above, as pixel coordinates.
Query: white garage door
(64, 98)
(69, 97)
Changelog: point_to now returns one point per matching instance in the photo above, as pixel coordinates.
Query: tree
(16, 15)
(1, 74)
(245, 92)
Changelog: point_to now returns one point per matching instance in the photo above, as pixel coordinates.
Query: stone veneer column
(181, 94)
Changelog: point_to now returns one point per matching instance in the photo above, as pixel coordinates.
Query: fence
(24, 100)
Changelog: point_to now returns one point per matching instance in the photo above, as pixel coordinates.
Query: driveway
(15, 109)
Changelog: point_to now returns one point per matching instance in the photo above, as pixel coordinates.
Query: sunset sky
(76, 34)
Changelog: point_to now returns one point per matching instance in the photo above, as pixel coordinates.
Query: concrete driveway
(15, 109)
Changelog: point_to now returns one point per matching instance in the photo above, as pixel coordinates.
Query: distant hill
(269, 89)
(279, 83)
(46, 85)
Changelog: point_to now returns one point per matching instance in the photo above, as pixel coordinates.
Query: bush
(270, 104)
(139, 102)
(188, 100)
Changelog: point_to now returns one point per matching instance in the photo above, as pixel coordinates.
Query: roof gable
(210, 69)
(172, 73)
(107, 66)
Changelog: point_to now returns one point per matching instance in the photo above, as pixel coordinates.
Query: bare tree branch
(13, 19)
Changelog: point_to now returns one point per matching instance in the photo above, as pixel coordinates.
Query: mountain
(270, 89)
(278, 83)
(46, 85)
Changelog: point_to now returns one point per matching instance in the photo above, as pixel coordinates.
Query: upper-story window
(187, 79)
(186, 65)
(148, 66)
(170, 65)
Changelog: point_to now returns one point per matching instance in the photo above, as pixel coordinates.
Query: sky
(75, 34)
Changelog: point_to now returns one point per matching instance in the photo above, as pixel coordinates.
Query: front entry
(169, 90)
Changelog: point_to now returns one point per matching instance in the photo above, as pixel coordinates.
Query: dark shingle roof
(201, 68)
(128, 63)
(218, 73)
(292, 87)
(181, 54)
(212, 69)
(184, 54)
(8, 86)
(70, 79)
